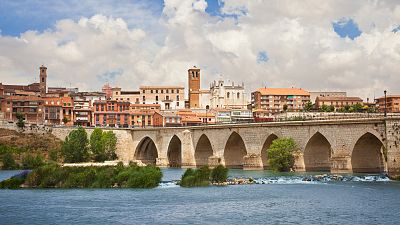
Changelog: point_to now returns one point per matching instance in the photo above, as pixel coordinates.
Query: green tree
(285, 107)
(65, 120)
(9, 162)
(358, 107)
(20, 120)
(75, 147)
(97, 146)
(109, 141)
(280, 154)
(308, 106)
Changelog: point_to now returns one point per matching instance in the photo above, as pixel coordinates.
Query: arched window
(228, 95)
(238, 95)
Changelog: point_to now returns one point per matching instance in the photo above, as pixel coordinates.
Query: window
(156, 91)
(144, 91)
(172, 91)
(116, 93)
(167, 97)
(238, 95)
(144, 98)
(162, 91)
(177, 103)
(228, 95)
(151, 91)
(177, 90)
(167, 91)
(157, 98)
(177, 97)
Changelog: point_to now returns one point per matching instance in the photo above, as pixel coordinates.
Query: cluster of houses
(155, 106)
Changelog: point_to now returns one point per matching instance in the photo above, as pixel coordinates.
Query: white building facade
(227, 96)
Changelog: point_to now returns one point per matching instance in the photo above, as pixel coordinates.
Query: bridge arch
(203, 150)
(234, 151)
(317, 153)
(174, 152)
(146, 151)
(368, 155)
(265, 147)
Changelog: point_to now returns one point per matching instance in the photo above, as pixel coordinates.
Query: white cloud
(302, 48)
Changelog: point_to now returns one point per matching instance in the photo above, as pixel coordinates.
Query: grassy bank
(54, 176)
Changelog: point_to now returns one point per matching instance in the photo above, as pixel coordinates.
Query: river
(286, 199)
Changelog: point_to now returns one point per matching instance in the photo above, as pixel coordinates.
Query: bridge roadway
(352, 145)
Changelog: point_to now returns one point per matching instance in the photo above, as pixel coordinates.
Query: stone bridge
(354, 145)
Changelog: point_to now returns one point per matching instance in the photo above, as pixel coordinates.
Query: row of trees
(78, 148)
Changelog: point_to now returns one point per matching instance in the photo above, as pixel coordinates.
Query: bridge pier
(392, 148)
(252, 162)
(214, 161)
(341, 164)
(299, 162)
(162, 162)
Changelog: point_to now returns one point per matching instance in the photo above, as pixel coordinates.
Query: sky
(328, 45)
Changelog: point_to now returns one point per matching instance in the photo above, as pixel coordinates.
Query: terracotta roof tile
(283, 91)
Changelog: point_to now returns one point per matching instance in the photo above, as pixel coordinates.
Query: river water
(285, 199)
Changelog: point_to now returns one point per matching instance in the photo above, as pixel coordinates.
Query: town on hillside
(167, 106)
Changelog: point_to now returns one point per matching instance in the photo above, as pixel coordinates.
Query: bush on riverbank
(219, 174)
(203, 176)
(9, 162)
(53, 176)
(280, 154)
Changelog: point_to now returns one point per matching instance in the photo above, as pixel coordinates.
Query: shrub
(52, 175)
(9, 162)
(196, 178)
(75, 147)
(219, 174)
(280, 154)
(31, 162)
(20, 120)
(53, 155)
(12, 183)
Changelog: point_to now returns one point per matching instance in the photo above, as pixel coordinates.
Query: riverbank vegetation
(204, 176)
(78, 148)
(54, 176)
(280, 154)
(28, 151)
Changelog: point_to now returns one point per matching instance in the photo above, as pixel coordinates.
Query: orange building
(194, 87)
(31, 107)
(207, 118)
(111, 113)
(392, 103)
(189, 118)
(58, 111)
(337, 102)
(268, 101)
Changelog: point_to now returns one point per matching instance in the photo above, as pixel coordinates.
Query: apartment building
(268, 101)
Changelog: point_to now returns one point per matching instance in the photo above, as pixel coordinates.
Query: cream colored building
(227, 95)
(169, 97)
(130, 96)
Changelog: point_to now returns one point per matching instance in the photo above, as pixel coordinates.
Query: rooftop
(335, 98)
(161, 87)
(282, 91)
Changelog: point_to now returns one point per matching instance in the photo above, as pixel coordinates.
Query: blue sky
(16, 18)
